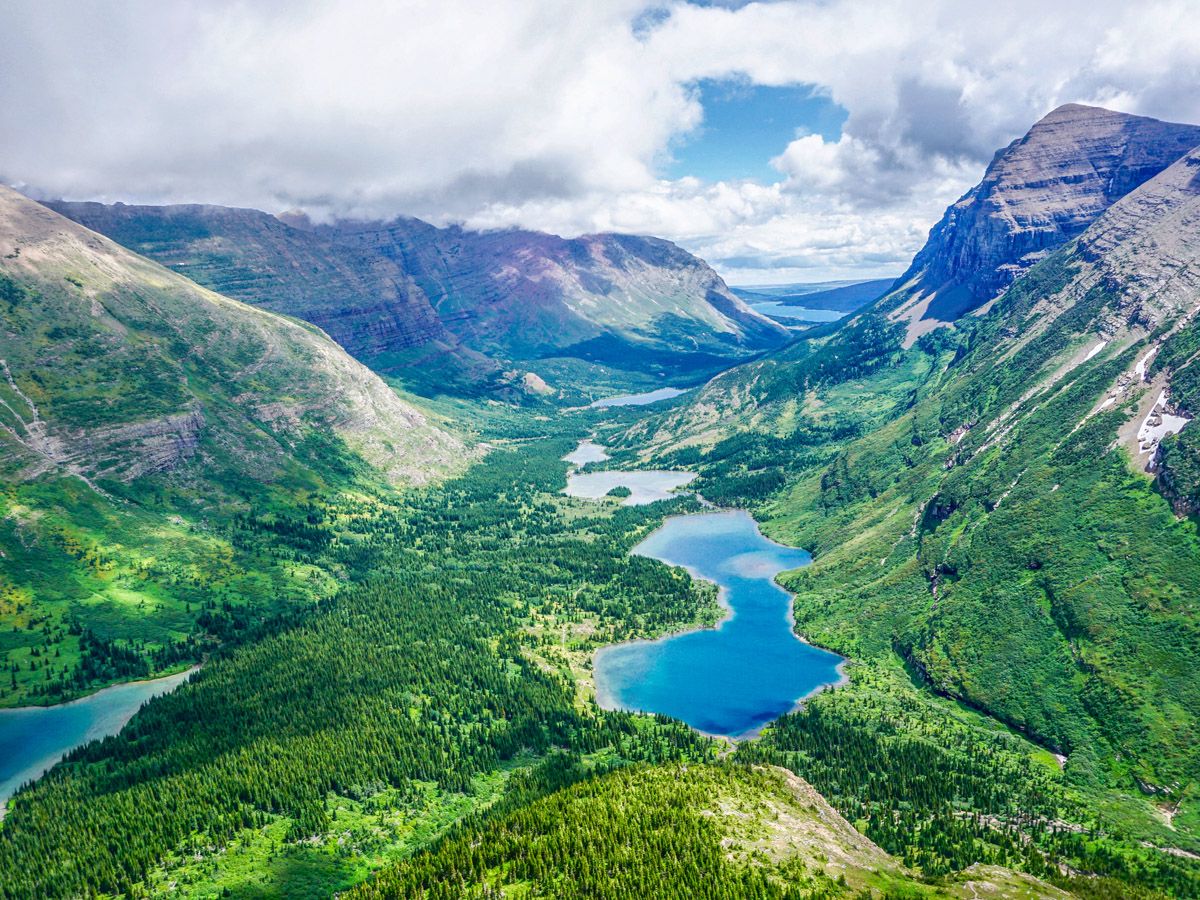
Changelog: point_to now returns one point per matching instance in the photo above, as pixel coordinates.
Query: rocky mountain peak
(1039, 192)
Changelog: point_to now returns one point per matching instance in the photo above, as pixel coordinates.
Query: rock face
(405, 294)
(1038, 193)
(115, 368)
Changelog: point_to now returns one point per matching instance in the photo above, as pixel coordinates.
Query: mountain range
(447, 306)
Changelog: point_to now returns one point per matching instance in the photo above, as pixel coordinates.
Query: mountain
(999, 511)
(1039, 192)
(837, 296)
(405, 297)
(140, 414)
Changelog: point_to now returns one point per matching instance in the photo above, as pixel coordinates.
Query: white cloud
(552, 114)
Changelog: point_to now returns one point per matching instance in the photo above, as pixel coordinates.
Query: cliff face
(406, 295)
(115, 367)
(1038, 193)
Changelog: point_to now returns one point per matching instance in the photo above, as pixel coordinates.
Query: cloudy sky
(782, 141)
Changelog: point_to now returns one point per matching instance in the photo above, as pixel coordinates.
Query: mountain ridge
(1040, 191)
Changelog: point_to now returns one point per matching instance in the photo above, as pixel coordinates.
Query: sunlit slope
(678, 831)
(140, 416)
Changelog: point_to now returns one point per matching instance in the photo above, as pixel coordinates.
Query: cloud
(557, 115)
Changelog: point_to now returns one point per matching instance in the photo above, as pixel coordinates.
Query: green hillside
(983, 526)
(161, 447)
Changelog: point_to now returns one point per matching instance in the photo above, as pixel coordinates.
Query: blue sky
(572, 116)
(746, 126)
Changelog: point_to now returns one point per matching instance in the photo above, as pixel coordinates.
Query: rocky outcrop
(1038, 193)
(404, 294)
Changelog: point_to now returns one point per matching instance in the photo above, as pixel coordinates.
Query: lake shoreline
(606, 702)
(129, 682)
(42, 736)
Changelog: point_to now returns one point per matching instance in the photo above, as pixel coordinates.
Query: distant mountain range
(449, 308)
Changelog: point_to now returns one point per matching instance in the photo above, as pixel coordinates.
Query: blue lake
(748, 671)
(802, 313)
(34, 738)
(665, 393)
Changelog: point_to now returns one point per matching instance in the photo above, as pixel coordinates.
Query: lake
(586, 452)
(748, 671)
(645, 487)
(801, 313)
(665, 393)
(34, 738)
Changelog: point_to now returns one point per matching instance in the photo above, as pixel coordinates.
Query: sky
(796, 140)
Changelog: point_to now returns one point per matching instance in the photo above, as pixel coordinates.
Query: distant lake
(640, 399)
(34, 738)
(802, 313)
(645, 487)
(736, 678)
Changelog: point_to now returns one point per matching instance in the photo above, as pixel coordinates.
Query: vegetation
(980, 538)
(426, 669)
(667, 831)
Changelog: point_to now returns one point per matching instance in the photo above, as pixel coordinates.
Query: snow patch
(1158, 424)
(1140, 369)
(1100, 346)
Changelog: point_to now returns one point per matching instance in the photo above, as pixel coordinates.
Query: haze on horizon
(785, 141)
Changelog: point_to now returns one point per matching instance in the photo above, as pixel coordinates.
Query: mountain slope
(366, 302)
(1038, 193)
(404, 296)
(979, 504)
(140, 415)
(679, 831)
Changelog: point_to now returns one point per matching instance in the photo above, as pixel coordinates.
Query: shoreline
(37, 768)
(191, 670)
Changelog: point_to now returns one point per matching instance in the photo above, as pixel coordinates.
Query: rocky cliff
(1038, 193)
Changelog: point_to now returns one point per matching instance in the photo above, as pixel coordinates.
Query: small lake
(665, 393)
(645, 487)
(34, 738)
(801, 313)
(748, 671)
(586, 452)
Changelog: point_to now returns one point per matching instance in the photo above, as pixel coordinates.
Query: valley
(472, 557)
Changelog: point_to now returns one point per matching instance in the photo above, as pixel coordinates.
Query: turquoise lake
(34, 738)
(748, 671)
